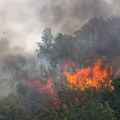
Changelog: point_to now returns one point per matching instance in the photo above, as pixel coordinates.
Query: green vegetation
(95, 106)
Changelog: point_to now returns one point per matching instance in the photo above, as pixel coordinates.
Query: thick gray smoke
(69, 15)
(19, 30)
(15, 66)
(19, 23)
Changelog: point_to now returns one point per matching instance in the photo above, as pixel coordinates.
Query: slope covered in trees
(53, 96)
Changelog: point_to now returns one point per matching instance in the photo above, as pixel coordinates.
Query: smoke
(69, 15)
(20, 28)
(15, 66)
(19, 23)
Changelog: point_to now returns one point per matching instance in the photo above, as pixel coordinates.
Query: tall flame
(90, 77)
(93, 76)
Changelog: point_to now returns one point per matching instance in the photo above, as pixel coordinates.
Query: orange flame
(90, 76)
(95, 76)
(46, 86)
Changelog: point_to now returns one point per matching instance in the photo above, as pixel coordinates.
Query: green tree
(93, 110)
(11, 108)
(45, 45)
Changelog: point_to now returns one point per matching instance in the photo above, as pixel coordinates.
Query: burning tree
(82, 49)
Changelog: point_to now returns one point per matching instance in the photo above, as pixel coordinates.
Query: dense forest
(77, 77)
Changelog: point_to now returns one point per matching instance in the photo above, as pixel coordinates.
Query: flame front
(93, 76)
(90, 77)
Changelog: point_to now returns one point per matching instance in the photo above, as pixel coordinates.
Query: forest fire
(98, 75)
(95, 76)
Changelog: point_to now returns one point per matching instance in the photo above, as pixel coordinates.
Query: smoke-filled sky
(19, 23)
(69, 15)
(22, 21)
